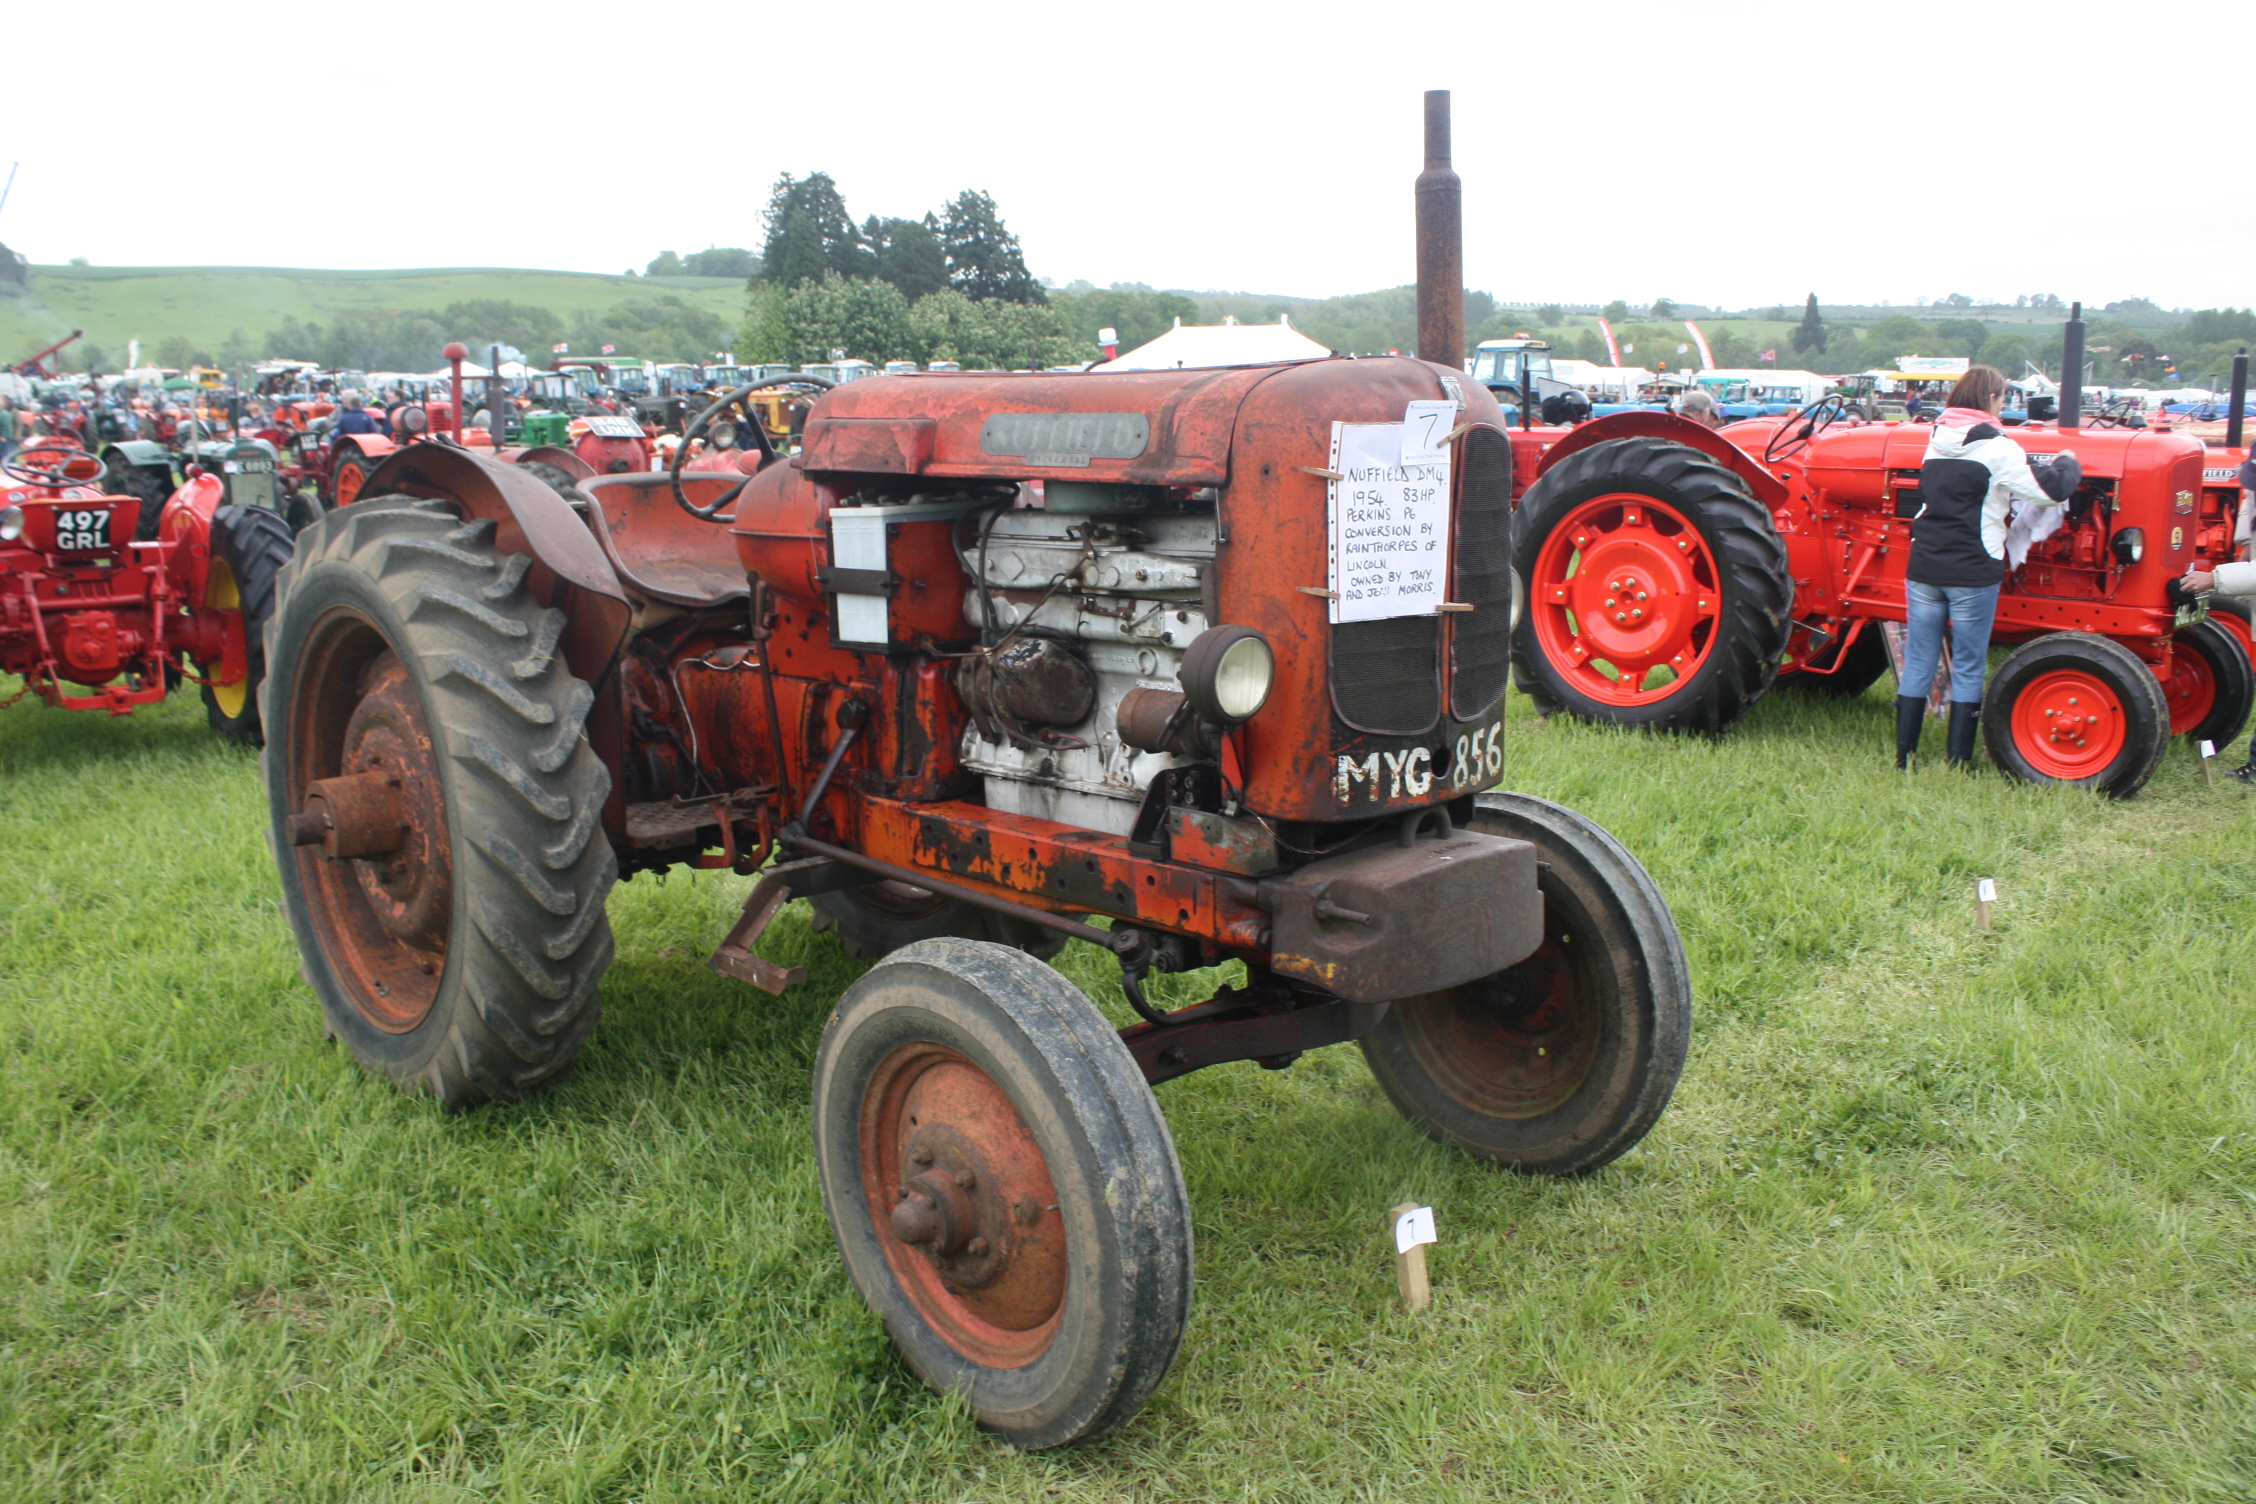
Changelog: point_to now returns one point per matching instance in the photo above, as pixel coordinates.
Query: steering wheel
(65, 470)
(2116, 414)
(746, 419)
(1794, 435)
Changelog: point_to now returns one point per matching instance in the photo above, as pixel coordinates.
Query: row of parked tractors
(995, 661)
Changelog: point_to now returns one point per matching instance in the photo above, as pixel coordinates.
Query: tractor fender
(373, 445)
(184, 533)
(1767, 488)
(136, 453)
(569, 569)
(552, 454)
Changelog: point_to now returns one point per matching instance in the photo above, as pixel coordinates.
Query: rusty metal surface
(964, 1205)
(1221, 843)
(1190, 419)
(356, 815)
(1405, 918)
(1271, 1025)
(1441, 243)
(659, 550)
(384, 919)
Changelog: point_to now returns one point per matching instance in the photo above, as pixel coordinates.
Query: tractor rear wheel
(1657, 589)
(250, 546)
(2212, 685)
(348, 474)
(2071, 707)
(878, 919)
(1003, 1189)
(150, 485)
(1867, 661)
(1559, 1064)
(449, 904)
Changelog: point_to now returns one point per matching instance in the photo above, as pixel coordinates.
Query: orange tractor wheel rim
(2068, 724)
(963, 1205)
(2191, 690)
(1625, 583)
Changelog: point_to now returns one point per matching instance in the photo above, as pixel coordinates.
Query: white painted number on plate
(81, 530)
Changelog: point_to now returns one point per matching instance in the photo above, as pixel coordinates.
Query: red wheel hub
(2068, 724)
(963, 1205)
(1625, 599)
(2191, 689)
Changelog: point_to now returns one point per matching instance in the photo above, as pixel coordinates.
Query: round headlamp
(2129, 544)
(11, 524)
(1227, 673)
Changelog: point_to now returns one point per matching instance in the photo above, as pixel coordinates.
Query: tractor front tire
(253, 545)
(348, 474)
(1657, 589)
(1003, 1189)
(1559, 1064)
(2079, 709)
(407, 653)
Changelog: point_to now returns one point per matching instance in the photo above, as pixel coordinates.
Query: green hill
(208, 304)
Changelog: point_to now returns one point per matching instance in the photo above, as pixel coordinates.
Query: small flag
(1770, 355)
(559, 349)
(610, 349)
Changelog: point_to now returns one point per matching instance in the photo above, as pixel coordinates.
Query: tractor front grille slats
(1481, 639)
(1386, 675)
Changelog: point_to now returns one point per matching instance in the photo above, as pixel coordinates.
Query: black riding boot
(1965, 715)
(1911, 716)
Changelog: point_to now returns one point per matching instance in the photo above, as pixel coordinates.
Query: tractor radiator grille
(1386, 675)
(1481, 639)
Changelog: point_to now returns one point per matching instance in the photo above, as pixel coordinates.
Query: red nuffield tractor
(1673, 571)
(93, 620)
(967, 720)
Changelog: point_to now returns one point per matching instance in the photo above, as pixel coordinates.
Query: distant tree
(484, 322)
(238, 351)
(2006, 352)
(1616, 311)
(809, 232)
(80, 261)
(721, 261)
(1663, 309)
(93, 359)
(984, 260)
(1958, 300)
(292, 341)
(2140, 311)
(178, 354)
(14, 268)
(1809, 334)
(1550, 315)
(1967, 335)
(765, 336)
(1138, 317)
(2212, 325)
(862, 316)
(664, 264)
(1590, 345)
(909, 254)
(994, 335)
(1480, 307)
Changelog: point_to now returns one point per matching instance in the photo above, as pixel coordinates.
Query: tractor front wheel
(1003, 1189)
(1657, 590)
(1559, 1064)
(348, 475)
(2075, 708)
(2212, 685)
(250, 546)
(435, 806)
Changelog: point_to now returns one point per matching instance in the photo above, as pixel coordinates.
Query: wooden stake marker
(2208, 751)
(1413, 1227)
(1985, 894)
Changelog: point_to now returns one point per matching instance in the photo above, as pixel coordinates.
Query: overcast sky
(1710, 153)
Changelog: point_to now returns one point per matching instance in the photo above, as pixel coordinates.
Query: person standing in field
(1971, 477)
(11, 427)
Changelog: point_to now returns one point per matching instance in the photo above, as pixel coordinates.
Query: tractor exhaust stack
(2233, 424)
(2072, 370)
(1441, 244)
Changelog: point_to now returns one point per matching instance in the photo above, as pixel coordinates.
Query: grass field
(205, 304)
(1935, 1215)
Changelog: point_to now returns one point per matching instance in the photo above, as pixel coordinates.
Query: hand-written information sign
(1390, 526)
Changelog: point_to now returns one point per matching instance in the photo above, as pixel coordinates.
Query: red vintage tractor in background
(1674, 571)
(93, 620)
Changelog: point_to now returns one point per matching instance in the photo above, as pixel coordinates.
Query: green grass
(205, 304)
(1935, 1215)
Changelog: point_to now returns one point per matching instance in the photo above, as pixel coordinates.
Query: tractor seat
(659, 550)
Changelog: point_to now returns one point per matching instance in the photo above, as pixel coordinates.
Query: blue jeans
(1971, 609)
